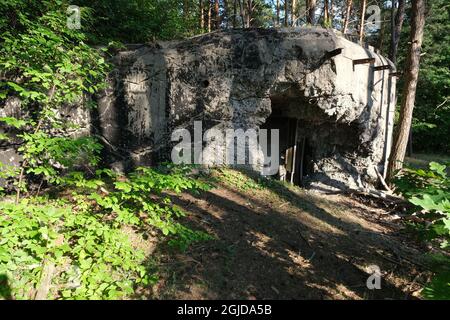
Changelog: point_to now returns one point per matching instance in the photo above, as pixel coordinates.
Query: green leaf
(438, 168)
(124, 186)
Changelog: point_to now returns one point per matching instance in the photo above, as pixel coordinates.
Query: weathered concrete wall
(8, 154)
(231, 80)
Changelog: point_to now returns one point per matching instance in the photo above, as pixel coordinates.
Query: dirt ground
(283, 242)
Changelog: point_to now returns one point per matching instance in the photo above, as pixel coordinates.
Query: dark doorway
(292, 146)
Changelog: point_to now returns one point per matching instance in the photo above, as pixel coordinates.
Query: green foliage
(240, 180)
(141, 20)
(138, 199)
(429, 192)
(93, 259)
(431, 122)
(438, 288)
(49, 66)
(82, 235)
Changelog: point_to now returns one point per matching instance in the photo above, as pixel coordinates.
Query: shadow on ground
(5, 289)
(279, 242)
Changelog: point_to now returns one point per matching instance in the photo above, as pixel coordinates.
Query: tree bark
(348, 10)
(311, 11)
(286, 13)
(331, 12)
(362, 21)
(326, 12)
(278, 12)
(396, 28)
(209, 15)
(226, 14)
(409, 90)
(249, 13)
(202, 15)
(242, 13)
(293, 15)
(216, 14)
(234, 13)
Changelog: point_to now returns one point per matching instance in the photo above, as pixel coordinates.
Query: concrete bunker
(332, 98)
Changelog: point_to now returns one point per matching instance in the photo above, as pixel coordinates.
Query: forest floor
(276, 241)
(422, 160)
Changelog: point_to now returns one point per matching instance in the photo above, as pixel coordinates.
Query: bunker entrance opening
(294, 152)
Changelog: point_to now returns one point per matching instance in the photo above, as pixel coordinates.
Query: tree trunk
(242, 13)
(209, 15)
(216, 14)
(331, 12)
(311, 11)
(362, 21)
(293, 9)
(396, 28)
(326, 13)
(409, 89)
(249, 13)
(348, 10)
(286, 13)
(278, 12)
(225, 14)
(234, 13)
(202, 15)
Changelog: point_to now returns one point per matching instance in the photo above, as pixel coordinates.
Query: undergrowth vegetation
(76, 231)
(429, 193)
(62, 216)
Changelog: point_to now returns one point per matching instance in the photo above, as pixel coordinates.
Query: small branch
(383, 182)
(440, 105)
(46, 280)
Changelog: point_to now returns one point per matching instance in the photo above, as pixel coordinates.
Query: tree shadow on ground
(5, 289)
(277, 243)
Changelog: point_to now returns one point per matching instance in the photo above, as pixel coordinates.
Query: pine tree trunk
(286, 13)
(326, 12)
(202, 15)
(278, 12)
(311, 11)
(242, 13)
(362, 21)
(234, 13)
(348, 10)
(331, 12)
(409, 89)
(216, 14)
(209, 15)
(293, 17)
(249, 13)
(226, 14)
(396, 28)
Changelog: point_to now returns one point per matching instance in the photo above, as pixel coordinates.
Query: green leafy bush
(74, 225)
(82, 236)
(92, 258)
(429, 192)
(138, 199)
